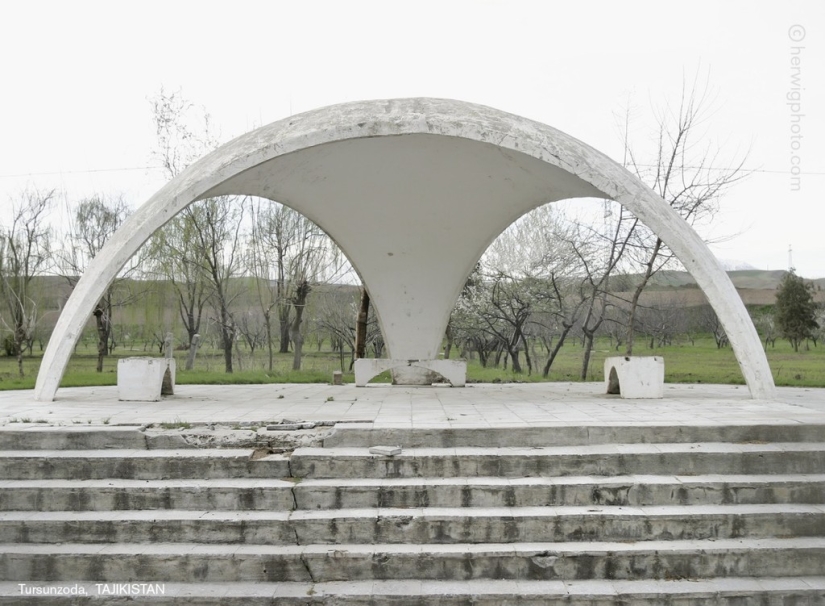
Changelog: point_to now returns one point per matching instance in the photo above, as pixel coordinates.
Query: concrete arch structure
(413, 191)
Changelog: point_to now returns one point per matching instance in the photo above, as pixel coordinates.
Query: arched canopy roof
(413, 191)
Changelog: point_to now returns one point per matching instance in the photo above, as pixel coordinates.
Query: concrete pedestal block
(454, 371)
(635, 377)
(145, 379)
(413, 375)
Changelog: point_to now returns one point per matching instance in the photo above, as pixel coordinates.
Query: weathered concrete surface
(144, 379)
(453, 371)
(140, 464)
(422, 526)
(182, 562)
(72, 437)
(598, 460)
(691, 592)
(570, 407)
(635, 377)
(628, 490)
(113, 494)
(512, 524)
(540, 435)
(433, 182)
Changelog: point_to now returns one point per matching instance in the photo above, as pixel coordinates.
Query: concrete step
(432, 525)
(37, 436)
(600, 460)
(634, 490)
(223, 494)
(226, 494)
(139, 464)
(363, 435)
(183, 562)
(740, 591)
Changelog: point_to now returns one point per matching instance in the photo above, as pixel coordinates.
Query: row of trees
(544, 282)
(211, 257)
(203, 253)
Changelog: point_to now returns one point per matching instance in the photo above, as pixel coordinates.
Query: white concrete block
(635, 376)
(142, 379)
(454, 371)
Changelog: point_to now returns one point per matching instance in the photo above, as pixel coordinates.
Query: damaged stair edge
(298, 542)
(308, 568)
(294, 481)
(232, 435)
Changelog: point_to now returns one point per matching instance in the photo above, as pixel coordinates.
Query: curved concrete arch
(413, 191)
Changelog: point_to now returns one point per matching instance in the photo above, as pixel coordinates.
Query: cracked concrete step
(183, 562)
(364, 435)
(601, 460)
(432, 525)
(705, 592)
(72, 437)
(224, 494)
(139, 464)
(242, 494)
(556, 491)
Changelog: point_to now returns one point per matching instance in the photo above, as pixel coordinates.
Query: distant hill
(758, 279)
(755, 286)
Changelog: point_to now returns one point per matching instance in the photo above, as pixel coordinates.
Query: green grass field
(684, 363)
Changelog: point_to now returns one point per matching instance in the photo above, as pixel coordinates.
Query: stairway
(603, 515)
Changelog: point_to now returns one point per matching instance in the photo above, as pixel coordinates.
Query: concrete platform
(476, 405)
(502, 494)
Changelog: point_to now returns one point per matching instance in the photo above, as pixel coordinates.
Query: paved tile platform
(477, 405)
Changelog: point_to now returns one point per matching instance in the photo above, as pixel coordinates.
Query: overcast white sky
(77, 77)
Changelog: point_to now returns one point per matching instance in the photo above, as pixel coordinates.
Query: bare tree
(183, 134)
(25, 252)
(260, 263)
(315, 259)
(661, 322)
(466, 324)
(275, 234)
(765, 324)
(361, 322)
(505, 308)
(90, 224)
(183, 131)
(685, 171)
(252, 328)
(205, 239)
(539, 280)
(174, 257)
(595, 252)
(288, 255)
(217, 227)
(564, 311)
(711, 323)
(337, 309)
